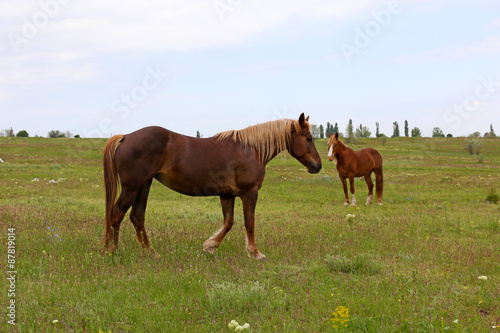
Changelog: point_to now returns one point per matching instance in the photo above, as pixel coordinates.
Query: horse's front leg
(351, 184)
(344, 184)
(249, 201)
(214, 241)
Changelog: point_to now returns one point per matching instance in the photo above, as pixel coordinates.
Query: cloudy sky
(98, 68)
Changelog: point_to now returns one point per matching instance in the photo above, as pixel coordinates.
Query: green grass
(411, 265)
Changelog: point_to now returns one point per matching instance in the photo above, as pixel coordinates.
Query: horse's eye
(309, 139)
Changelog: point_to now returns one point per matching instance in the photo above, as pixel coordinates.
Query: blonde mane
(267, 138)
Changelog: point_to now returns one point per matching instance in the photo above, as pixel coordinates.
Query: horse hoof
(256, 255)
(261, 257)
(346, 204)
(380, 204)
(209, 250)
(155, 254)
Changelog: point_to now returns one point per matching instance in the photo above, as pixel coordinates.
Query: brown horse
(352, 164)
(230, 164)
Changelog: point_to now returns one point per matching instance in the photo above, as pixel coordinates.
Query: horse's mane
(266, 138)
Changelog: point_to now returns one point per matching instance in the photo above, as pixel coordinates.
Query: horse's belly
(212, 184)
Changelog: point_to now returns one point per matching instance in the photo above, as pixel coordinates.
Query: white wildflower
(349, 217)
(483, 277)
(233, 324)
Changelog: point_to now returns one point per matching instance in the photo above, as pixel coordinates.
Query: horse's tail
(110, 182)
(379, 180)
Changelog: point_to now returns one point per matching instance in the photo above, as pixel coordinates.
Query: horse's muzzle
(314, 167)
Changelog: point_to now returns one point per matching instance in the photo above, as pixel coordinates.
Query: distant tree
(315, 131)
(329, 128)
(56, 134)
(415, 132)
(77, 136)
(475, 135)
(349, 131)
(363, 132)
(8, 132)
(377, 134)
(406, 128)
(449, 135)
(321, 132)
(335, 129)
(491, 133)
(198, 135)
(437, 133)
(395, 133)
(357, 133)
(22, 134)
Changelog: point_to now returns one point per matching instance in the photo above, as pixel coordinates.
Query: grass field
(411, 265)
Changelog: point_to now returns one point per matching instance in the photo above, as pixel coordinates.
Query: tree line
(352, 132)
(24, 134)
(318, 132)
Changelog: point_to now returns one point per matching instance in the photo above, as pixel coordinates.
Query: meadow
(411, 265)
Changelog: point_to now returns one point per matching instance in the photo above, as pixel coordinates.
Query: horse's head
(302, 146)
(333, 145)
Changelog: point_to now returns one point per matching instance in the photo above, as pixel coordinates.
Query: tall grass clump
(492, 196)
(361, 264)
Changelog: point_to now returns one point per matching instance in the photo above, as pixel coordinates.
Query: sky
(98, 68)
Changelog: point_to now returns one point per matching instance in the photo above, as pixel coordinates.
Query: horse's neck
(270, 157)
(343, 151)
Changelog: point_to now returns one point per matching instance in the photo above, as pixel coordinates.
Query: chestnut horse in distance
(230, 164)
(352, 164)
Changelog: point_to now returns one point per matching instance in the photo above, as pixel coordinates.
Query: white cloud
(488, 47)
(58, 39)
(116, 25)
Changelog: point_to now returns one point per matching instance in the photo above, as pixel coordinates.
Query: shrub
(22, 134)
(473, 145)
(492, 196)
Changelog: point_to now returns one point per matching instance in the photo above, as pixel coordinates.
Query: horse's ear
(307, 119)
(302, 121)
(329, 135)
(336, 135)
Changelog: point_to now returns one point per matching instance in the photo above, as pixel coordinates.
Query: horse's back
(368, 159)
(373, 155)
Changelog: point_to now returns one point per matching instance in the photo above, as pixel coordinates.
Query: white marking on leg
(211, 244)
(369, 200)
(353, 200)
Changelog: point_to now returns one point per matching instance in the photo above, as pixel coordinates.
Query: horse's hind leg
(369, 183)
(249, 201)
(380, 184)
(137, 217)
(121, 206)
(228, 210)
